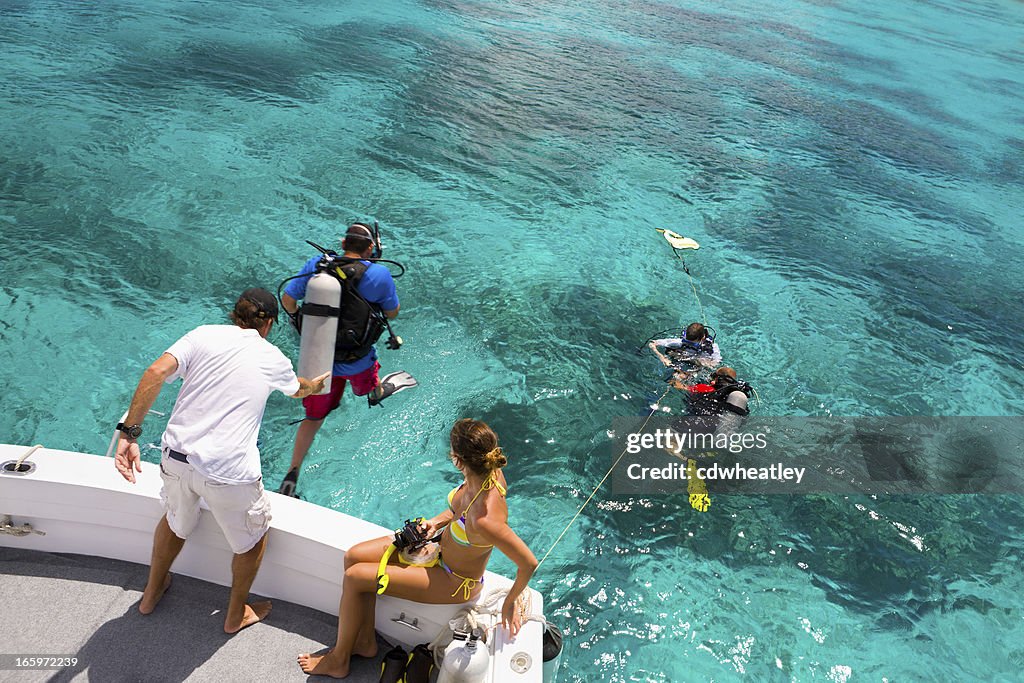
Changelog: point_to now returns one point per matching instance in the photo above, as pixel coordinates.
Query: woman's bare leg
(366, 638)
(350, 617)
(358, 596)
(356, 634)
(367, 551)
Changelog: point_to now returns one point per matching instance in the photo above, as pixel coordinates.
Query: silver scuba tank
(466, 659)
(730, 422)
(320, 311)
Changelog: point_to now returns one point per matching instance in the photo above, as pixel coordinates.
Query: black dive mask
(705, 345)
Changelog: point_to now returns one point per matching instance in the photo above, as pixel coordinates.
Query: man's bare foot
(255, 612)
(368, 649)
(151, 599)
(322, 665)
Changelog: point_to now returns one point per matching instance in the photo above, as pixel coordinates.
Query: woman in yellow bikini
(475, 522)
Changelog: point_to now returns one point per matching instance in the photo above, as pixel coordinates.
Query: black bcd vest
(360, 323)
(715, 402)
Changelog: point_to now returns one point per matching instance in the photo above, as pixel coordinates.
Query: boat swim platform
(87, 607)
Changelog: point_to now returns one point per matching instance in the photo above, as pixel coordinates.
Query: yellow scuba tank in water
(320, 311)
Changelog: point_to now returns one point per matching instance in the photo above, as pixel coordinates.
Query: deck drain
(521, 662)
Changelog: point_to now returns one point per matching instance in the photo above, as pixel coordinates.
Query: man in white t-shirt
(209, 447)
(687, 354)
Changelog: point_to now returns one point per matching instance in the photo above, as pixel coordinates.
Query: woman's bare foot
(322, 665)
(151, 599)
(253, 613)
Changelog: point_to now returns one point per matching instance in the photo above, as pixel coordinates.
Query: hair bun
(495, 458)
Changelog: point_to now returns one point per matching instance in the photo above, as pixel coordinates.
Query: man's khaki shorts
(241, 510)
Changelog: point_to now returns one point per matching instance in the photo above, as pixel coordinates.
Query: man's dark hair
(358, 239)
(247, 315)
(695, 332)
(254, 307)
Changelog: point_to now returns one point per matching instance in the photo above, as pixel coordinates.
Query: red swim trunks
(319, 405)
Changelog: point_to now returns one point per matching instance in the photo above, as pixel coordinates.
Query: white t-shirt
(691, 354)
(228, 373)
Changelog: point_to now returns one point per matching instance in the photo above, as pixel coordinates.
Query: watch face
(131, 431)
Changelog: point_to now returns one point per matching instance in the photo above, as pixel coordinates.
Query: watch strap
(131, 431)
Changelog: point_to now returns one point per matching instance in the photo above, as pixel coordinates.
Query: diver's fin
(392, 384)
(392, 669)
(420, 666)
(290, 481)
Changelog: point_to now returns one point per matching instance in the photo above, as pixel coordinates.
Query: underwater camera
(411, 536)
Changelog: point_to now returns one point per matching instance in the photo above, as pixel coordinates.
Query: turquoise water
(852, 170)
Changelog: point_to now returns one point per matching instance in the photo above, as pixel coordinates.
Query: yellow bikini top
(457, 528)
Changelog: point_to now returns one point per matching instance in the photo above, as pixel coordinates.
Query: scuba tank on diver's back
(320, 312)
(358, 322)
(337, 324)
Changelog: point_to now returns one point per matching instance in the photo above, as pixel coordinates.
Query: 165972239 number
(12, 661)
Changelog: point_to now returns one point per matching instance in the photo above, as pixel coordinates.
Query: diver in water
(717, 407)
(687, 354)
(361, 318)
(722, 394)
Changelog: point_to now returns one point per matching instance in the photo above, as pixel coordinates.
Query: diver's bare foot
(255, 612)
(322, 665)
(368, 649)
(150, 600)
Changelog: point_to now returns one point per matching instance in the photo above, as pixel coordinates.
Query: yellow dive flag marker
(695, 486)
(678, 241)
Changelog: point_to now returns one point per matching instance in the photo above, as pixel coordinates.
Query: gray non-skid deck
(86, 607)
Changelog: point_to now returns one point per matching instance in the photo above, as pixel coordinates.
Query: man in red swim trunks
(376, 286)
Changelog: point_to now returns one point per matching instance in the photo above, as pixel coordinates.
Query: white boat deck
(71, 589)
(86, 607)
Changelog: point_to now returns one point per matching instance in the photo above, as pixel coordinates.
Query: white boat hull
(84, 506)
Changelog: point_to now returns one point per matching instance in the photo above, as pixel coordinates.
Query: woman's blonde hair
(476, 445)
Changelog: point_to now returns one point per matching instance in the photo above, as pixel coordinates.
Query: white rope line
(598, 487)
(17, 465)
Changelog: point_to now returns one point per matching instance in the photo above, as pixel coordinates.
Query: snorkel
(382, 569)
(413, 535)
(378, 246)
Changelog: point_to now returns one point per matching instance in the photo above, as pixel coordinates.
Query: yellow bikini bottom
(467, 584)
(430, 559)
